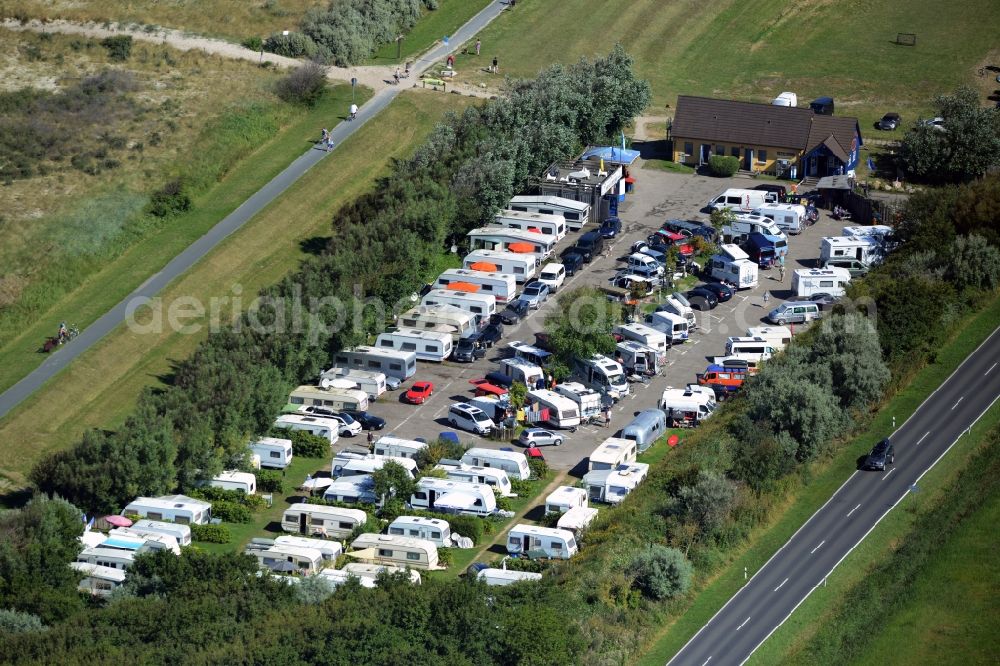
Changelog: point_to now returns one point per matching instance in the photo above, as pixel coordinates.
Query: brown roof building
(784, 141)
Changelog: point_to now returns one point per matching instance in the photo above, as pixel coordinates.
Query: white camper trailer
(564, 498)
(332, 522)
(588, 400)
(284, 558)
(563, 412)
(275, 452)
(395, 550)
(576, 213)
(790, 218)
(337, 397)
(348, 466)
(337, 577)
(863, 248)
(100, 580)
(455, 321)
(427, 345)
(522, 266)
(449, 496)
(175, 508)
(500, 577)
(396, 447)
(512, 462)
(778, 337)
(495, 237)
(733, 265)
(613, 485)
(501, 286)
(435, 530)
(522, 371)
(552, 225)
(604, 375)
(535, 541)
(611, 453)
(399, 364)
(242, 481)
(330, 550)
(810, 281)
(644, 335)
(112, 558)
(325, 428)
(372, 383)
(356, 489)
(670, 323)
(480, 306)
(491, 476)
(180, 532)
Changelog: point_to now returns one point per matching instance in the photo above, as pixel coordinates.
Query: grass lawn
(445, 20)
(822, 485)
(756, 50)
(101, 387)
(667, 165)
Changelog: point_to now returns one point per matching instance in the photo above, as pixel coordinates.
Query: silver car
(539, 437)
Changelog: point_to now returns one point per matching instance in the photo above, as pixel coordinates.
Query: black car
(515, 311)
(824, 301)
(779, 190)
(880, 457)
(611, 227)
(722, 292)
(469, 349)
(702, 299)
(889, 122)
(589, 245)
(571, 261)
(497, 378)
(492, 334)
(369, 421)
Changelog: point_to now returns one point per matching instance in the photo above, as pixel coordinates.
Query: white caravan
(320, 520)
(481, 306)
(395, 550)
(372, 383)
(500, 577)
(397, 447)
(457, 497)
(613, 485)
(521, 266)
(576, 213)
(113, 558)
(512, 462)
(552, 225)
(398, 364)
(810, 281)
(285, 558)
(779, 337)
(232, 480)
(275, 452)
(330, 550)
(564, 498)
(588, 401)
(180, 532)
(491, 476)
(611, 453)
(337, 396)
(495, 237)
(348, 466)
(863, 248)
(578, 518)
(427, 345)
(356, 489)
(325, 428)
(501, 286)
(733, 265)
(175, 508)
(563, 412)
(435, 530)
(535, 541)
(100, 580)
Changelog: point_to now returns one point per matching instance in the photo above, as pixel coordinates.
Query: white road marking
(820, 545)
(956, 404)
(890, 472)
(782, 583)
(922, 438)
(744, 623)
(706, 661)
(853, 510)
(990, 370)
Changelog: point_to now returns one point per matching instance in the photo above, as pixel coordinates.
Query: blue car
(611, 227)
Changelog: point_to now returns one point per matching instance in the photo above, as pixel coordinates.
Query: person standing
(371, 441)
(451, 61)
(607, 416)
(479, 45)
(781, 272)
(329, 142)
(496, 67)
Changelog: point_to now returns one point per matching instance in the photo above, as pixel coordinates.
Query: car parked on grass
(571, 261)
(889, 122)
(936, 122)
(535, 294)
(515, 311)
(702, 299)
(419, 393)
(880, 457)
(369, 421)
(539, 437)
(722, 292)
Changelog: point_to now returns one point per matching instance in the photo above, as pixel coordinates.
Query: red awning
(521, 248)
(484, 266)
(118, 521)
(463, 286)
(534, 230)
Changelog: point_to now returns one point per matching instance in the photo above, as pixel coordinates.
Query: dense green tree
(393, 480)
(848, 344)
(973, 262)
(581, 325)
(661, 572)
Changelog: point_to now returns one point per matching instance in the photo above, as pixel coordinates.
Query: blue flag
(871, 165)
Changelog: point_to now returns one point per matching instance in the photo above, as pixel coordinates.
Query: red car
(674, 238)
(419, 393)
(534, 452)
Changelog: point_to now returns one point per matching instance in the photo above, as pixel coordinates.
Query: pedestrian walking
(329, 142)
(479, 45)
(496, 67)
(450, 61)
(607, 416)
(781, 273)
(766, 297)
(354, 111)
(395, 76)
(371, 441)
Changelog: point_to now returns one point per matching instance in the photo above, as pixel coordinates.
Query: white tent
(314, 484)
(455, 502)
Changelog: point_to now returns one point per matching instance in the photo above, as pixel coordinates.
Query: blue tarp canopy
(612, 154)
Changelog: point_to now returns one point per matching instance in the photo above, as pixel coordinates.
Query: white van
(794, 313)
(522, 371)
(739, 200)
(435, 530)
(532, 540)
(427, 345)
(512, 462)
(758, 347)
(553, 225)
(398, 364)
(521, 266)
(563, 412)
(460, 323)
(465, 416)
(482, 306)
(274, 452)
(554, 275)
(643, 264)
(669, 323)
(686, 407)
(810, 281)
(790, 218)
(502, 286)
(644, 335)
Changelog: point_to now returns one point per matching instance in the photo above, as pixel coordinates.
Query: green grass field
(756, 50)
(448, 17)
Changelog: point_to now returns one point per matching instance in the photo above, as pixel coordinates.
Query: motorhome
(287, 558)
(611, 453)
(454, 497)
(723, 379)
(810, 281)
(588, 401)
(562, 411)
(644, 335)
(670, 323)
(613, 485)
(676, 303)
(758, 347)
(180, 532)
(778, 336)
(427, 345)
(348, 466)
(530, 353)
(863, 248)
(330, 550)
(500, 577)
(241, 481)
(576, 213)
(113, 558)
(522, 266)
(457, 322)
(550, 224)
(395, 550)
(522, 371)
(435, 530)
(535, 541)
(495, 237)
(739, 200)
(604, 375)
(638, 358)
(399, 364)
(100, 580)
(733, 265)
(564, 498)
(512, 462)
(502, 286)
(880, 234)
(740, 229)
(647, 427)
(337, 397)
(325, 428)
(276, 452)
(480, 305)
(372, 383)
(355, 489)
(686, 408)
(397, 447)
(174, 508)
(491, 476)
(331, 522)
(790, 218)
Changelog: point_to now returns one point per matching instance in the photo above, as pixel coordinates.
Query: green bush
(303, 85)
(349, 31)
(304, 444)
(445, 556)
(292, 45)
(214, 494)
(253, 43)
(269, 481)
(169, 200)
(119, 47)
(231, 512)
(539, 468)
(723, 165)
(661, 572)
(211, 533)
(13, 622)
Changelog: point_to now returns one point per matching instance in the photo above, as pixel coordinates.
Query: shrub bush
(119, 47)
(169, 200)
(231, 512)
(211, 533)
(303, 85)
(304, 444)
(539, 468)
(269, 481)
(14, 622)
(253, 43)
(292, 45)
(349, 31)
(661, 572)
(723, 165)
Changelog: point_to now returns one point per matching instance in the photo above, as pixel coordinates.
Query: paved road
(56, 362)
(802, 564)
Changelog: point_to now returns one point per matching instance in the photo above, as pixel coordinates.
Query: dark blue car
(611, 227)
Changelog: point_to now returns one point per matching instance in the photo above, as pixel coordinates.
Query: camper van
(399, 364)
(330, 550)
(576, 213)
(644, 335)
(604, 375)
(490, 476)
(325, 428)
(180, 532)
(809, 281)
(372, 383)
(685, 408)
(521, 371)
(611, 453)
(759, 347)
(453, 497)
(778, 337)
(739, 200)
(521, 266)
(647, 427)
(100, 580)
(501, 577)
(174, 508)
(530, 353)
(638, 358)
(733, 265)
(501, 286)
(275, 452)
(427, 345)
(457, 322)
(355, 489)
(242, 481)
(564, 498)
(551, 225)
(480, 305)
(512, 462)
(435, 530)
(863, 248)
(337, 397)
(331, 522)
(613, 485)
(588, 401)
(534, 541)
(396, 447)
(790, 218)
(495, 237)
(395, 550)
(796, 312)
(723, 379)
(740, 229)
(563, 412)
(671, 324)
(284, 557)
(113, 558)
(678, 304)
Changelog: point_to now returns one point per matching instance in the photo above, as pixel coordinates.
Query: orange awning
(463, 286)
(484, 266)
(521, 248)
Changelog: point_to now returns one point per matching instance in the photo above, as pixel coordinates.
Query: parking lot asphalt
(658, 196)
